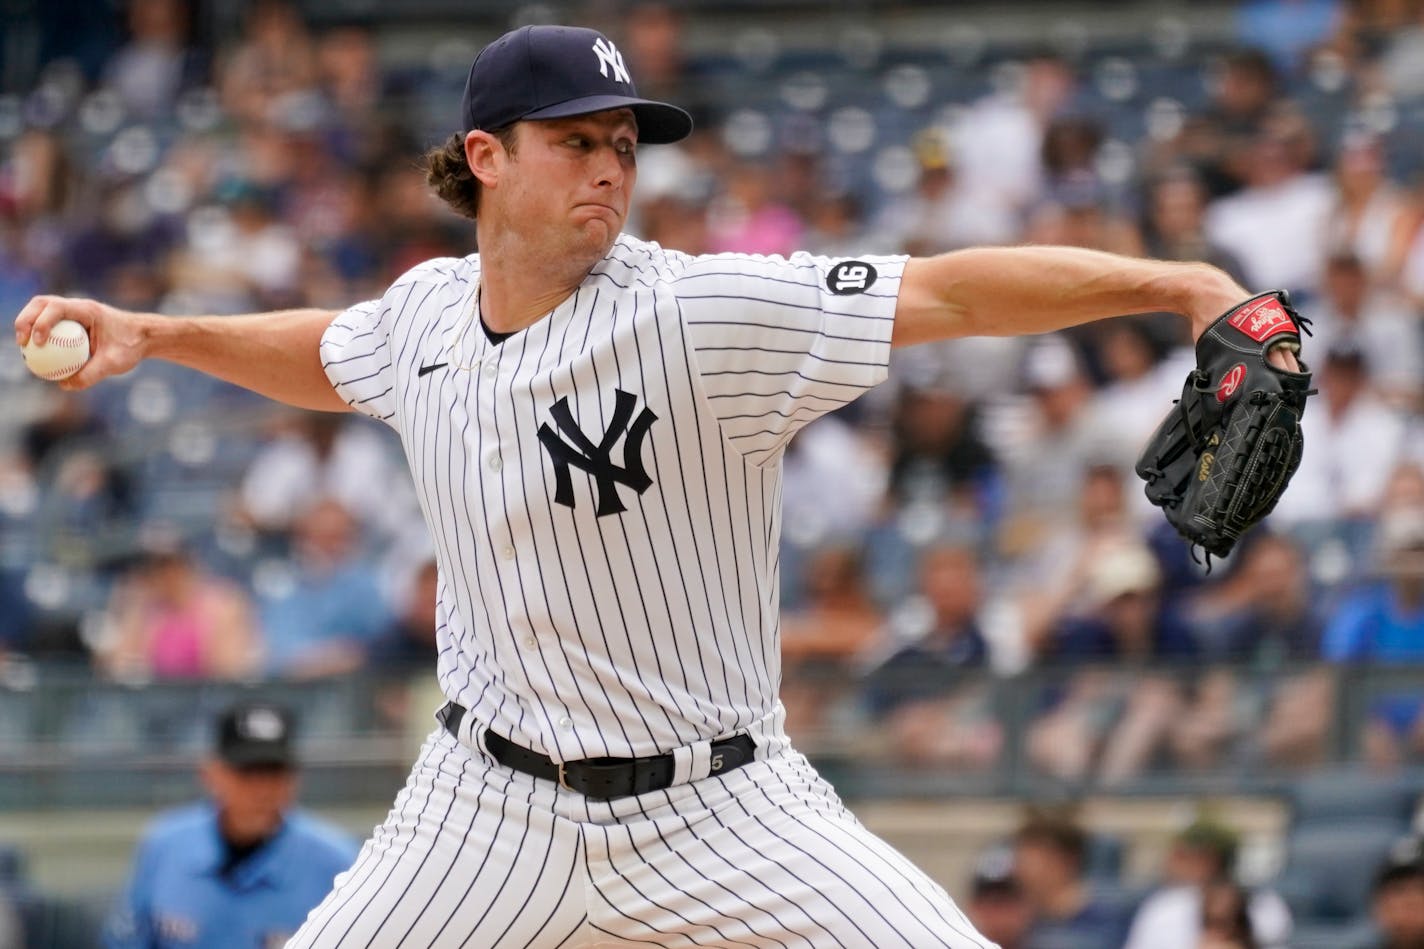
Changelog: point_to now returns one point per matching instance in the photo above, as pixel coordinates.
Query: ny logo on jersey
(596, 459)
(608, 55)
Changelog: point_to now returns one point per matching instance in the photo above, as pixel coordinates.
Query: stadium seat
(1349, 795)
(1330, 868)
(1350, 935)
(1104, 863)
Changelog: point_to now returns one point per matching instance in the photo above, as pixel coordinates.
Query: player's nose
(608, 169)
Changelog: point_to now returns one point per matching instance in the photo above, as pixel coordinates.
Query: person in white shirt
(1171, 918)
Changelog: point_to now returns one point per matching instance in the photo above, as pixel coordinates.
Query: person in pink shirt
(167, 619)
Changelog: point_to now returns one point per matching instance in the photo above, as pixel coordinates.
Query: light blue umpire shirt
(179, 895)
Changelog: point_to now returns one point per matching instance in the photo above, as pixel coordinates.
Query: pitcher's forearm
(1010, 291)
(273, 354)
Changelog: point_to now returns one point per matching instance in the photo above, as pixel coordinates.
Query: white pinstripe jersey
(604, 487)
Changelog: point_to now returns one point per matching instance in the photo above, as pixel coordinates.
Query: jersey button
(489, 369)
(508, 553)
(531, 642)
(566, 723)
(495, 463)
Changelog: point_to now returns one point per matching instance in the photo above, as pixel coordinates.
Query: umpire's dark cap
(553, 72)
(257, 735)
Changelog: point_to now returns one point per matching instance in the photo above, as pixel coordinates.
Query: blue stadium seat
(1104, 863)
(1348, 795)
(1350, 935)
(1330, 868)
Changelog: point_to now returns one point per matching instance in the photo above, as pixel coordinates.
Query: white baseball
(62, 355)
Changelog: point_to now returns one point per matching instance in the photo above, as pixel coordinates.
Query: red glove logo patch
(1263, 319)
(1231, 382)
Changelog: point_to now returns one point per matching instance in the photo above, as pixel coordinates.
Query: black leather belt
(601, 778)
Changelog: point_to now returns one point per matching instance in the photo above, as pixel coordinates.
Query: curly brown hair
(448, 172)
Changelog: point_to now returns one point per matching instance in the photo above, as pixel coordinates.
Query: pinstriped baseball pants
(476, 855)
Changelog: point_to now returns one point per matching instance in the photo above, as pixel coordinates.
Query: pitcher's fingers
(54, 310)
(29, 313)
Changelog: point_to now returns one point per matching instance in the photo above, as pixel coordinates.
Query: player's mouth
(601, 207)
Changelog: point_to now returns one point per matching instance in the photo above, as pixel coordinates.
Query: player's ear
(483, 153)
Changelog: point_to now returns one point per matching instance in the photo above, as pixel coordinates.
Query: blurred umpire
(242, 868)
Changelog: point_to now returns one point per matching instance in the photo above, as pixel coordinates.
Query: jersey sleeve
(781, 341)
(356, 355)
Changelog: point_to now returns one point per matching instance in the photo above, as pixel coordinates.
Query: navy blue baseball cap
(553, 72)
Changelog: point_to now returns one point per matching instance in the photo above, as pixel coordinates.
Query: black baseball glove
(1222, 457)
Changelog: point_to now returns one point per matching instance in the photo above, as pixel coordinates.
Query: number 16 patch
(850, 277)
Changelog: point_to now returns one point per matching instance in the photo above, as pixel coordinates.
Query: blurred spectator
(820, 638)
(943, 214)
(1077, 211)
(1288, 29)
(119, 253)
(1226, 921)
(833, 484)
(1127, 408)
(1261, 616)
(1182, 913)
(322, 620)
(1262, 612)
(938, 450)
(1353, 315)
(271, 68)
(1383, 623)
(1049, 860)
(168, 619)
(1280, 188)
(750, 219)
(928, 708)
(68, 453)
(1398, 903)
(1045, 465)
(1219, 141)
(408, 648)
(998, 141)
(1115, 716)
(836, 226)
(652, 40)
(156, 64)
(350, 77)
(1051, 579)
(247, 258)
(1352, 443)
(246, 866)
(409, 643)
(1173, 228)
(319, 455)
(1372, 216)
(996, 905)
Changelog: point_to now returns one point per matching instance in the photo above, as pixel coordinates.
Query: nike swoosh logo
(427, 370)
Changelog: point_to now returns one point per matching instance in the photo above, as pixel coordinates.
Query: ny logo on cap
(608, 55)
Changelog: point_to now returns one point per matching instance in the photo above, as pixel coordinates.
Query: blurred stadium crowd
(978, 512)
(974, 519)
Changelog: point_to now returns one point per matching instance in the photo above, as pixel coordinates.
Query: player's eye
(625, 146)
